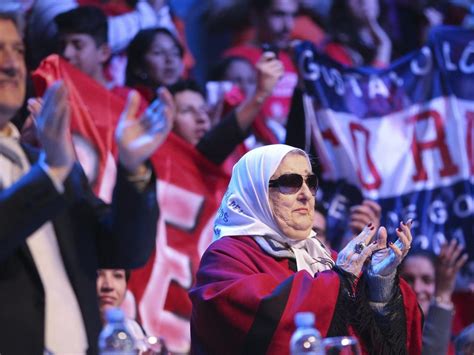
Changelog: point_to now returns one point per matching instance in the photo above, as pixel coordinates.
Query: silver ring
(359, 247)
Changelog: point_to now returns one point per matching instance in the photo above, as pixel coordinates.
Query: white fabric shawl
(245, 210)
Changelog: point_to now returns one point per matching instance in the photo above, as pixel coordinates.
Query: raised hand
(449, 262)
(354, 254)
(361, 215)
(138, 138)
(385, 261)
(52, 125)
(269, 71)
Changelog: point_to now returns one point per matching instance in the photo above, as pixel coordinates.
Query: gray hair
(11, 10)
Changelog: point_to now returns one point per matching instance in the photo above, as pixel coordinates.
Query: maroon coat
(244, 302)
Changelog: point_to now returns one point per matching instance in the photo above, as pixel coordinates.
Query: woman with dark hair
(356, 37)
(433, 279)
(155, 58)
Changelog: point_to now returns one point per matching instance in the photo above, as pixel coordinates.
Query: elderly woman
(267, 265)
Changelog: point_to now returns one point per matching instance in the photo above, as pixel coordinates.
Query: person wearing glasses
(266, 265)
(192, 122)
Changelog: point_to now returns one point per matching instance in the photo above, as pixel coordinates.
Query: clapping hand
(356, 252)
(385, 261)
(138, 138)
(53, 123)
(29, 134)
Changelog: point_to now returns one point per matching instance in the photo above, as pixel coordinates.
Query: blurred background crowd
(228, 65)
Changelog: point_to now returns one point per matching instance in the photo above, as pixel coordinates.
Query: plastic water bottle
(306, 339)
(115, 338)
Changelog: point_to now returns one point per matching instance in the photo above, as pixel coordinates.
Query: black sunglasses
(291, 183)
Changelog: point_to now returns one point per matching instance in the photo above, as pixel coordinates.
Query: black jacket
(90, 235)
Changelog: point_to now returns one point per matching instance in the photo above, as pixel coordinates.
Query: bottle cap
(304, 319)
(114, 315)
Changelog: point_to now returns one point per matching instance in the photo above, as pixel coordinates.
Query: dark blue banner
(402, 136)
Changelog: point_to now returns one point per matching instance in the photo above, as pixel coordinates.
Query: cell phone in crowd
(215, 91)
(268, 47)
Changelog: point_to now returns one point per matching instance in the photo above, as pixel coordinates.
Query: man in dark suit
(54, 233)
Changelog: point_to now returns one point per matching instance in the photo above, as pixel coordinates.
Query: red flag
(94, 114)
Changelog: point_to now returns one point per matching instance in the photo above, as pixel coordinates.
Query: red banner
(189, 193)
(189, 187)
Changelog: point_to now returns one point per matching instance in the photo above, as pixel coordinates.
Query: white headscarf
(245, 210)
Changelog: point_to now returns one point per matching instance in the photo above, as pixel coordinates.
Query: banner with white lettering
(190, 189)
(403, 136)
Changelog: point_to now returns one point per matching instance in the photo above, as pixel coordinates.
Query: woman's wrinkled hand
(352, 258)
(386, 260)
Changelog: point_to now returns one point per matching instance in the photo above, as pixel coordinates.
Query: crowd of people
(66, 256)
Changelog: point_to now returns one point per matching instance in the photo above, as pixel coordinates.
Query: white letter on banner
(415, 66)
(464, 65)
(438, 240)
(447, 57)
(307, 61)
(377, 87)
(338, 207)
(409, 212)
(437, 212)
(459, 236)
(392, 221)
(182, 209)
(333, 78)
(395, 78)
(422, 241)
(354, 84)
(340, 88)
(463, 206)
